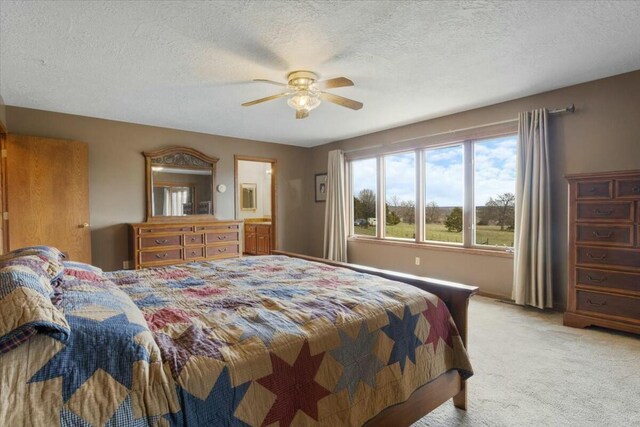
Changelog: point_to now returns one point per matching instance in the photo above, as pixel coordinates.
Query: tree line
(499, 211)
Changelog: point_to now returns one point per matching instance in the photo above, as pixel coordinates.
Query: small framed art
(321, 187)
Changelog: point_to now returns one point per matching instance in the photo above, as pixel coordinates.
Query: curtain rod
(570, 109)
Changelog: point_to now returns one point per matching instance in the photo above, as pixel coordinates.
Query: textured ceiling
(188, 65)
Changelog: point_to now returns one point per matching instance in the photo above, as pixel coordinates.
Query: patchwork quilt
(253, 341)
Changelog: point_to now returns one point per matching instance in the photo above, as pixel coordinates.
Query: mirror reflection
(180, 192)
(249, 197)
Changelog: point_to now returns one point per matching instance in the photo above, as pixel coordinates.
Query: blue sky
(495, 172)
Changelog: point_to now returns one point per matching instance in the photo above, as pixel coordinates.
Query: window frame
(468, 210)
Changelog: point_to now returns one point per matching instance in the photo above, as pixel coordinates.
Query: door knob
(85, 225)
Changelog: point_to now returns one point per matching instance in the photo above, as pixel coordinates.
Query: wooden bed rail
(455, 295)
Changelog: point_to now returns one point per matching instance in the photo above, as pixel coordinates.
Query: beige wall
(603, 135)
(116, 174)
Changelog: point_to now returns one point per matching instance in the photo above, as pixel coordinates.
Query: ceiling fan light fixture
(305, 93)
(304, 100)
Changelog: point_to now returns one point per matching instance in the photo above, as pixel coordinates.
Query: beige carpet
(532, 371)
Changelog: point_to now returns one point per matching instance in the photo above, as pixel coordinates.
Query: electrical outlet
(417, 260)
(125, 265)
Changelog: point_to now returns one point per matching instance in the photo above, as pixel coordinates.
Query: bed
(271, 340)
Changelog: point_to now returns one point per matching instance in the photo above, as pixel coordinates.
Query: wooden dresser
(604, 251)
(257, 238)
(164, 243)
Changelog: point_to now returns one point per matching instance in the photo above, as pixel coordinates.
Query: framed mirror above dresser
(181, 225)
(180, 182)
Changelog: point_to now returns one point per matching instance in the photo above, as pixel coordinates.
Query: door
(48, 195)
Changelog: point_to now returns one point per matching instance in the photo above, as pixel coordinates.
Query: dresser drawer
(612, 305)
(160, 256)
(601, 189)
(605, 211)
(158, 241)
(152, 230)
(218, 228)
(608, 279)
(194, 239)
(222, 251)
(222, 237)
(194, 252)
(608, 235)
(623, 258)
(628, 188)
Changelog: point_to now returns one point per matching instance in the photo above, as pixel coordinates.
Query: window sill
(431, 246)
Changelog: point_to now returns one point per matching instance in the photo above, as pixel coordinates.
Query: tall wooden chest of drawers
(604, 251)
(165, 243)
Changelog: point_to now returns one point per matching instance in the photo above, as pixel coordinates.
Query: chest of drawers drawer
(628, 188)
(161, 256)
(607, 235)
(164, 229)
(223, 251)
(605, 211)
(159, 241)
(620, 258)
(193, 239)
(608, 304)
(601, 189)
(608, 279)
(222, 237)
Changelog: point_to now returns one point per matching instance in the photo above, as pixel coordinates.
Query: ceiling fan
(306, 93)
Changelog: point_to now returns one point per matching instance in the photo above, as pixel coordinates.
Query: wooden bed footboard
(449, 385)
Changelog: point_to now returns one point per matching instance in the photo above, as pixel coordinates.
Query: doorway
(255, 202)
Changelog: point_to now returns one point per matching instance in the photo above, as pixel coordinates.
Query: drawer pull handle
(602, 235)
(597, 304)
(597, 279)
(600, 257)
(604, 213)
(193, 239)
(159, 242)
(222, 237)
(636, 189)
(592, 190)
(222, 250)
(193, 252)
(161, 256)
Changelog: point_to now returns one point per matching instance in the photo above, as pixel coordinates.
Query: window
(444, 194)
(466, 195)
(364, 189)
(400, 192)
(494, 190)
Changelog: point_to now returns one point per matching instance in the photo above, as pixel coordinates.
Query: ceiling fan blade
(331, 83)
(268, 98)
(270, 81)
(341, 100)
(301, 114)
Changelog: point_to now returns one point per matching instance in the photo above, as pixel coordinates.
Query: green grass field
(486, 234)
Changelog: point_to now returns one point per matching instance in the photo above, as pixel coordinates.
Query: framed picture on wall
(321, 187)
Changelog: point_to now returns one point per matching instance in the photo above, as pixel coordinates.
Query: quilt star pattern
(257, 341)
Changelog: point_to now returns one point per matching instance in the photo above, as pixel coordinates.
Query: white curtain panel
(532, 269)
(336, 209)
